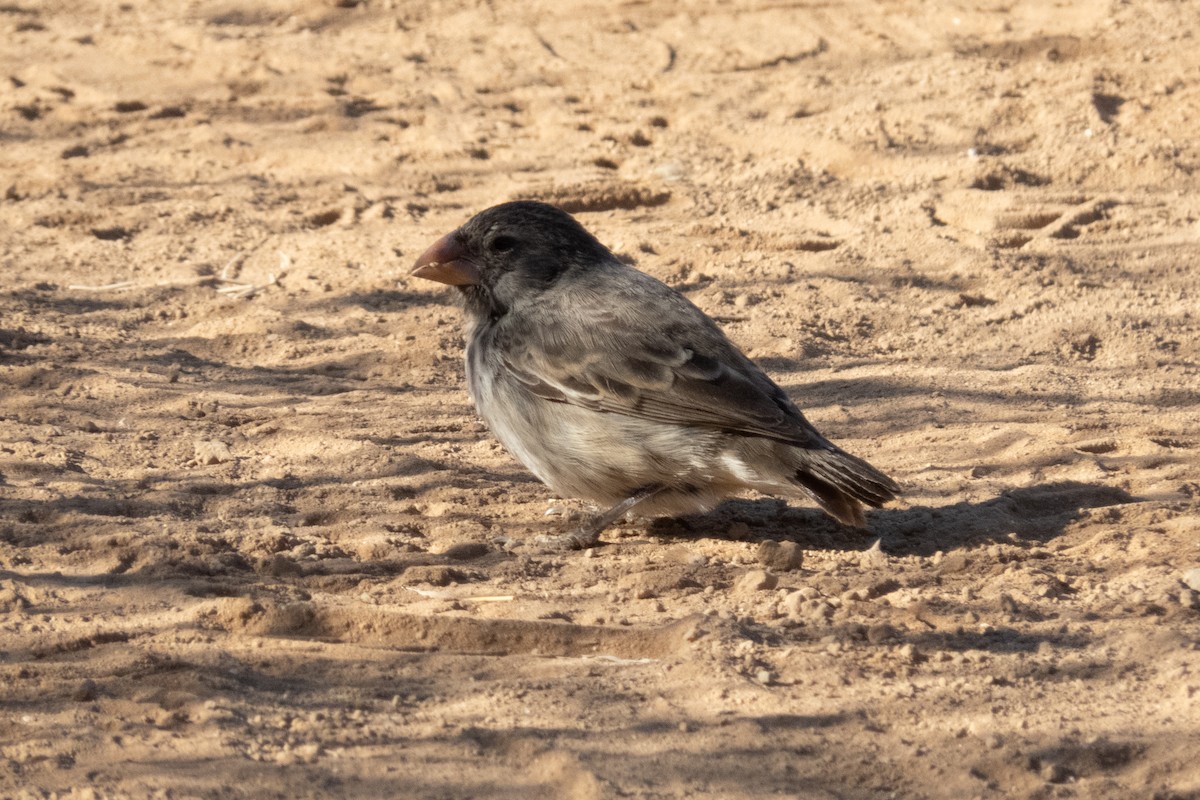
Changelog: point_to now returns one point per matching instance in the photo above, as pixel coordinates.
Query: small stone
(466, 551)
(1053, 772)
(655, 583)
(878, 634)
(820, 610)
(764, 676)
(756, 580)
(210, 451)
(433, 575)
(280, 566)
(886, 586)
(792, 604)
(1191, 579)
(955, 562)
(308, 752)
(781, 556)
(85, 691)
(683, 555)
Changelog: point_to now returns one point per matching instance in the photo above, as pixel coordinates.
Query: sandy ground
(254, 542)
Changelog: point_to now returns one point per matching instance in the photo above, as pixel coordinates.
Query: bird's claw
(580, 539)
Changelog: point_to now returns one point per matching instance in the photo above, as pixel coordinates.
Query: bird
(614, 388)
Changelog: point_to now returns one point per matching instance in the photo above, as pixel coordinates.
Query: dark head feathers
(527, 227)
(509, 253)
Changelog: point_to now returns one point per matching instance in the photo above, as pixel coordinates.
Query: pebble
(210, 451)
(280, 566)
(757, 580)
(1191, 579)
(1054, 772)
(955, 562)
(781, 556)
(308, 752)
(466, 551)
(683, 555)
(820, 611)
(433, 575)
(439, 509)
(85, 691)
(880, 633)
(885, 586)
(792, 604)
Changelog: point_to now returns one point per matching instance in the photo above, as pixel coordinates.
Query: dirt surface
(255, 543)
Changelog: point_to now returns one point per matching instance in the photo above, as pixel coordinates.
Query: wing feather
(685, 374)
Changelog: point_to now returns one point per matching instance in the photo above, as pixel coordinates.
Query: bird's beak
(447, 262)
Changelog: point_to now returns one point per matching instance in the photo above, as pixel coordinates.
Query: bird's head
(510, 254)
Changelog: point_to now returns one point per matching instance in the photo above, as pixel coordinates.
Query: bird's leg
(589, 534)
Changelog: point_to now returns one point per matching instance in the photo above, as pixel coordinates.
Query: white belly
(605, 457)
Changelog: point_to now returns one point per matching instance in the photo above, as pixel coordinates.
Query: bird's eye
(503, 244)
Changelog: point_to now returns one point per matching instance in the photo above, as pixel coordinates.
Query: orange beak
(447, 262)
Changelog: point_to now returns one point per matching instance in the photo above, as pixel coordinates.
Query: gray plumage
(613, 387)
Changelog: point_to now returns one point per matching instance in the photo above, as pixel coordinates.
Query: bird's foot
(589, 533)
(580, 539)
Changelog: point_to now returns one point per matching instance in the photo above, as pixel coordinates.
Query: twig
(236, 261)
(225, 285)
(441, 594)
(233, 289)
(108, 287)
(618, 661)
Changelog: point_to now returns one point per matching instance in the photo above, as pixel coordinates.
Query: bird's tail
(840, 483)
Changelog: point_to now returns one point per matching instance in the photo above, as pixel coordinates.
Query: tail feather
(840, 483)
(842, 507)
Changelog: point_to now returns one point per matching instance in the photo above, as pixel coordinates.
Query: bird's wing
(682, 371)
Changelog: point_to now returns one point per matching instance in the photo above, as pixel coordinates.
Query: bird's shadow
(1032, 514)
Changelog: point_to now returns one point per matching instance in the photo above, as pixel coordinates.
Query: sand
(255, 543)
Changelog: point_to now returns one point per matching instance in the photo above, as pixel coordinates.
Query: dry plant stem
(224, 285)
